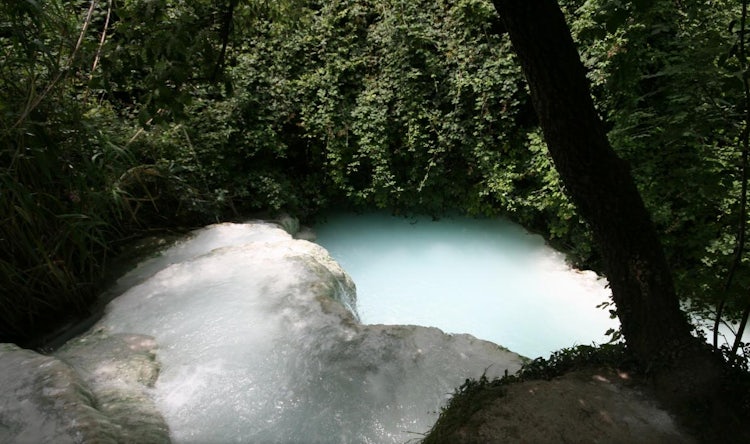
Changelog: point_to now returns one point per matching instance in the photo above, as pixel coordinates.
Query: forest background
(118, 118)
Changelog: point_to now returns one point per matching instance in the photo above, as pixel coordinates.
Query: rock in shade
(45, 400)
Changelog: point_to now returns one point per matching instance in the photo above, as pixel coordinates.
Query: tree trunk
(686, 375)
(598, 181)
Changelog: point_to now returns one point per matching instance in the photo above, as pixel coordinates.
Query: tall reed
(61, 156)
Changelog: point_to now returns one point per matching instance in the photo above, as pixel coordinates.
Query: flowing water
(256, 343)
(488, 278)
(262, 338)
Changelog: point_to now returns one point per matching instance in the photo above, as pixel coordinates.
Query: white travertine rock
(239, 333)
(44, 399)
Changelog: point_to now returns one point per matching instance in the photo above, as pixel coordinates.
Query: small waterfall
(257, 339)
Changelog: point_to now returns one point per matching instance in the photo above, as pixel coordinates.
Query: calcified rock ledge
(94, 390)
(238, 333)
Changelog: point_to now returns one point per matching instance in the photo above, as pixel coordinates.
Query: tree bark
(686, 375)
(225, 34)
(598, 181)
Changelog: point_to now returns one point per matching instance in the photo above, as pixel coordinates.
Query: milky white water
(489, 278)
(256, 343)
(239, 333)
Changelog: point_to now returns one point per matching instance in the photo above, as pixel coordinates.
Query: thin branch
(741, 229)
(100, 47)
(226, 32)
(745, 148)
(33, 103)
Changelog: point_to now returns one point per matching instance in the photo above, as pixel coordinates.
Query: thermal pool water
(488, 278)
(240, 333)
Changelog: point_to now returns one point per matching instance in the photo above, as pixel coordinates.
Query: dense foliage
(121, 117)
(671, 84)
